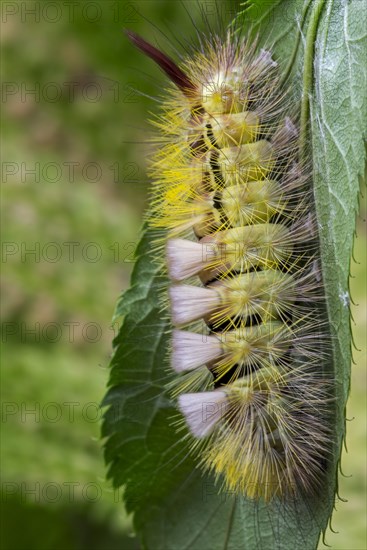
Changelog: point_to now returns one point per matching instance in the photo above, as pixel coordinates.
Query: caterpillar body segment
(234, 205)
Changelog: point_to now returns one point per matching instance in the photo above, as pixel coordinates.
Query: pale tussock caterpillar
(233, 208)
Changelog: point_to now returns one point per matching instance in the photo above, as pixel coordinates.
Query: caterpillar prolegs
(233, 209)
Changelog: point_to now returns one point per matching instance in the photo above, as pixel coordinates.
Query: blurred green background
(74, 191)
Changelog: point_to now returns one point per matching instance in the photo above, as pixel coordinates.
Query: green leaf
(175, 506)
(339, 123)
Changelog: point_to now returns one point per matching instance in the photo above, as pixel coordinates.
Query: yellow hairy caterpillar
(233, 210)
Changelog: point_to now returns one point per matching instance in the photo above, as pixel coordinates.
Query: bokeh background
(74, 144)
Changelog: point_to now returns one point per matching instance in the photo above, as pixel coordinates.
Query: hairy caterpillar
(233, 209)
